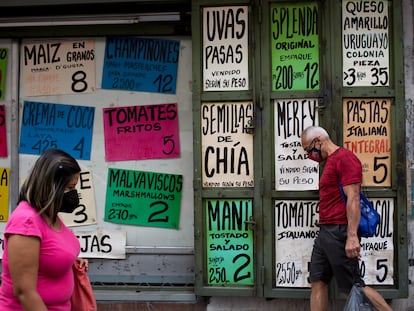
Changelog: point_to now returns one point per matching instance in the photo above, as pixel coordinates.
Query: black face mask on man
(70, 201)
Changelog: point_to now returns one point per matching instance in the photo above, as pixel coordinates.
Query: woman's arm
(23, 255)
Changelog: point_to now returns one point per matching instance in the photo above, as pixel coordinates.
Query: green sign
(3, 67)
(229, 242)
(143, 198)
(295, 47)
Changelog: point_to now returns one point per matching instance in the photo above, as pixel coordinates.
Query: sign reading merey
(365, 43)
(227, 144)
(367, 132)
(225, 48)
(293, 170)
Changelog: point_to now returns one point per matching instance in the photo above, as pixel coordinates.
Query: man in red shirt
(337, 248)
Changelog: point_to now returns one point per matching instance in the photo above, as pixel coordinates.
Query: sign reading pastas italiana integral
(141, 64)
(141, 132)
(225, 48)
(143, 198)
(296, 227)
(293, 169)
(295, 47)
(229, 242)
(365, 43)
(367, 132)
(58, 67)
(4, 193)
(227, 144)
(377, 253)
(3, 68)
(66, 127)
(85, 213)
(3, 132)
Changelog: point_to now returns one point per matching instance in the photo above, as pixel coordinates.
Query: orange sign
(367, 132)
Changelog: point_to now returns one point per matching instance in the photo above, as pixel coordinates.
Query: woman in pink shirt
(39, 250)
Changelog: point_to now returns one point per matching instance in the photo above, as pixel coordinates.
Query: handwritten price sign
(66, 127)
(141, 64)
(143, 198)
(295, 47)
(141, 132)
(58, 67)
(229, 242)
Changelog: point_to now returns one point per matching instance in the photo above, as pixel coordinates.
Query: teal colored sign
(229, 242)
(295, 47)
(3, 67)
(143, 198)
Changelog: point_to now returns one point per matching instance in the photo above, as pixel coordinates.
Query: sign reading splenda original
(225, 48)
(295, 47)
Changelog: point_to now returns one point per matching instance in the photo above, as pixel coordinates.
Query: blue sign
(65, 127)
(141, 64)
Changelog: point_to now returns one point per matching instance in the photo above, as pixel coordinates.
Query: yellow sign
(4, 193)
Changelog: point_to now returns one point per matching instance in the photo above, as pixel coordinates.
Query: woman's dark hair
(45, 185)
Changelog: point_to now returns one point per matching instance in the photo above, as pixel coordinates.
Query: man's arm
(353, 214)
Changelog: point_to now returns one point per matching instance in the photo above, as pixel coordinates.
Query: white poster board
(365, 43)
(293, 170)
(225, 48)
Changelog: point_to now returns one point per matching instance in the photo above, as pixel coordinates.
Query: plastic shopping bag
(357, 301)
(83, 298)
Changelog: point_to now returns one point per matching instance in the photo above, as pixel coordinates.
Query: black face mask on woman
(70, 201)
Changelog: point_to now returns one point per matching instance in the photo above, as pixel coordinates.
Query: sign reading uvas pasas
(141, 64)
(141, 132)
(143, 198)
(229, 242)
(225, 48)
(66, 127)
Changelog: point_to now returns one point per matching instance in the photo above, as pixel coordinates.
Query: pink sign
(141, 132)
(3, 137)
